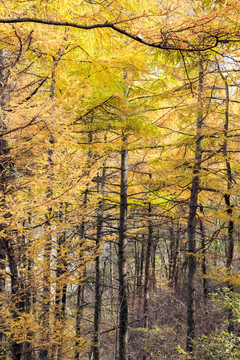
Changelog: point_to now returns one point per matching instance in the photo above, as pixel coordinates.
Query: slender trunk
(174, 252)
(15, 292)
(81, 284)
(61, 289)
(147, 267)
(230, 248)
(153, 265)
(26, 285)
(203, 257)
(60, 354)
(136, 270)
(2, 200)
(111, 273)
(123, 301)
(192, 219)
(227, 197)
(177, 258)
(98, 288)
(80, 305)
(140, 276)
(171, 257)
(2, 296)
(45, 316)
(82, 265)
(30, 302)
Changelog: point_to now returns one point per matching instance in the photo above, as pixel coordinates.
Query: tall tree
(192, 217)
(122, 271)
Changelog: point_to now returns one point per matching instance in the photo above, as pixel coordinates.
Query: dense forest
(120, 179)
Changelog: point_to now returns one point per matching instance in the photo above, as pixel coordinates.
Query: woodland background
(119, 179)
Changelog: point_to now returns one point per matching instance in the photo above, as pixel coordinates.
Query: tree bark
(98, 270)
(82, 263)
(61, 289)
(2, 295)
(192, 218)
(45, 316)
(174, 254)
(203, 257)
(81, 284)
(2, 187)
(141, 266)
(147, 267)
(15, 292)
(123, 301)
(227, 197)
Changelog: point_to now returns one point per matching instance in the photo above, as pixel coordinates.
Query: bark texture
(122, 271)
(191, 227)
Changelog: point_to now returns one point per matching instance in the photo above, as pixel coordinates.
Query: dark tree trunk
(141, 266)
(171, 256)
(136, 270)
(227, 197)
(111, 272)
(2, 200)
(203, 257)
(98, 287)
(82, 262)
(174, 252)
(45, 315)
(61, 287)
(2, 295)
(147, 267)
(27, 285)
(15, 292)
(192, 219)
(123, 301)
(153, 264)
(81, 284)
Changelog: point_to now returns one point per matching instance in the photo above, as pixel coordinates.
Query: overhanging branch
(162, 45)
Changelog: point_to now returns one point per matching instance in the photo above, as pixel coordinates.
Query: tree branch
(163, 45)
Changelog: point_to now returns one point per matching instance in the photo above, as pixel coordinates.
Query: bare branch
(162, 45)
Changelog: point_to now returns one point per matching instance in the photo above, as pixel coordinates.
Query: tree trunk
(141, 266)
(147, 267)
(153, 264)
(81, 284)
(174, 253)
(123, 301)
(2, 187)
(2, 295)
(227, 197)
(192, 219)
(15, 292)
(171, 256)
(61, 289)
(203, 257)
(98, 287)
(45, 316)
(82, 263)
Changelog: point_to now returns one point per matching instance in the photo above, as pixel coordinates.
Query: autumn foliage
(119, 179)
